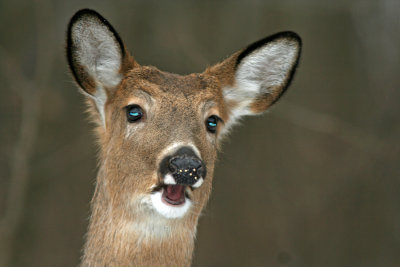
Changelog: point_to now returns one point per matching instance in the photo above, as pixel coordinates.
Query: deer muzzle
(183, 167)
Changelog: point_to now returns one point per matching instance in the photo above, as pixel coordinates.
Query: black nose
(186, 170)
(185, 167)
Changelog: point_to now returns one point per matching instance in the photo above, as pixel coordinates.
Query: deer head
(159, 132)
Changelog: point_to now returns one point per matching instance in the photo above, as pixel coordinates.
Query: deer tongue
(175, 193)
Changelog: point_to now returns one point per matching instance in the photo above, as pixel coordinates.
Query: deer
(159, 134)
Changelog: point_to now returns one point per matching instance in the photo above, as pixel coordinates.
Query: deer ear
(255, 77)
(96, 55)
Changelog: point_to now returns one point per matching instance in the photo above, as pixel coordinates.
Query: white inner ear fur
(258, 73)
(100, 54)
(100, 98)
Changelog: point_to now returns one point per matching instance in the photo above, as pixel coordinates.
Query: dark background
(314, 182)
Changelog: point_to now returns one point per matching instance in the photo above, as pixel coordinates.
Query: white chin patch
(166, 210)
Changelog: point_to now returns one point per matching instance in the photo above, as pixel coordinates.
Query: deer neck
(118, 238)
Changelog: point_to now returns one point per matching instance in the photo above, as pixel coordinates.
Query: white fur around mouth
(198, 183)
(167, 210)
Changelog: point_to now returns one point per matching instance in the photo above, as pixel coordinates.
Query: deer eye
(134, 113)
(211, 123)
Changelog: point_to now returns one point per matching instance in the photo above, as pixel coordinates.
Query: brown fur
(127, 166)
(122, 232)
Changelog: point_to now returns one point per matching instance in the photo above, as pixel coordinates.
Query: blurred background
(314, 182)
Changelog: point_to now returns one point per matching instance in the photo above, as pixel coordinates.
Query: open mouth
(174, 194)
(171, 200)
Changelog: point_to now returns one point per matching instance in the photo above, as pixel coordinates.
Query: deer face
(159, 131)
(162, 132)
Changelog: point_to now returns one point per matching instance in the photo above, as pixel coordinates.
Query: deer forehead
(173, 91)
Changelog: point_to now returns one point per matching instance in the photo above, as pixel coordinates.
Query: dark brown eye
(212, 123)
(134, 113)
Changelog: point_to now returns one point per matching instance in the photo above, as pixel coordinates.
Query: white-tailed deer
(159, 134)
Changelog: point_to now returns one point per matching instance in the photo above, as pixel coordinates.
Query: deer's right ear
(96, 55)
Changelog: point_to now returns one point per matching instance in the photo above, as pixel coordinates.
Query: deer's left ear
(255, 77)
